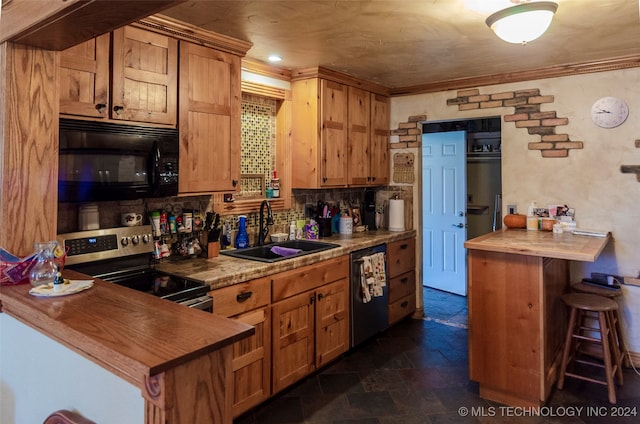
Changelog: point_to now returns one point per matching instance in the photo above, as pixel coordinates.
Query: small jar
(45, 271)
(533, 223)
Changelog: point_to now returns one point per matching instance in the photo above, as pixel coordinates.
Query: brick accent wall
(526, 115)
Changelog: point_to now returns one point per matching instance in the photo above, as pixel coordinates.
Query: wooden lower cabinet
(251, 363)
(309, 330)
(401, 265)
(310, 319)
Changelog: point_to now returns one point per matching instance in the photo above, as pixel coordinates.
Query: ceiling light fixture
(523, 22)
(274, 58)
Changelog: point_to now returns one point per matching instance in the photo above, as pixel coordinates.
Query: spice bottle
(275, 185)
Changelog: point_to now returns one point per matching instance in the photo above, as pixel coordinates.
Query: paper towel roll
(396, 215)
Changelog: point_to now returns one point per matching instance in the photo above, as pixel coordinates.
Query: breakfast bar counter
(179, 358)
(516, 318)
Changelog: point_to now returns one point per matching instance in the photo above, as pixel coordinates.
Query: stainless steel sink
(264, 254)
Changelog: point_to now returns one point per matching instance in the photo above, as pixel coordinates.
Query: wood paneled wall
(29, 144)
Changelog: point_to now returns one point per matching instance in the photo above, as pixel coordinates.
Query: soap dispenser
(242, 238)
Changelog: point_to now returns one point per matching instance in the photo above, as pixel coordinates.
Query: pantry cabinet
(310, 313)
(401, 264)
(340, 133)
(139, 84)
(210, 107)
(251, 364)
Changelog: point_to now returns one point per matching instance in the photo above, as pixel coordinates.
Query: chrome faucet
(264, 227)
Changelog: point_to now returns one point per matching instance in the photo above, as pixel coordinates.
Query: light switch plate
(512, 209)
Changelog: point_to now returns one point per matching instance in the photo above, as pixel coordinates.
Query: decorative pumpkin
(515, 220)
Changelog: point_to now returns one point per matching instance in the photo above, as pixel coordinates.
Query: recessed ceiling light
(274, 58)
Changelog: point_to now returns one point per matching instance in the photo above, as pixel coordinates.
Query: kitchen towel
(373, 276)
(396, 215)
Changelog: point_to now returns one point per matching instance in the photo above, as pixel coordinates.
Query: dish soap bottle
(242, 238)
(275, 185)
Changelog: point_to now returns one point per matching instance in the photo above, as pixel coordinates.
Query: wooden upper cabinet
(84, 78)
(359, 136)
(334, 117)
(319, 133)
(340, 135)
(379, 142)
(210, 107)
(145, 76)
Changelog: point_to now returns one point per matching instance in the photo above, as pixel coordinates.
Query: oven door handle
(202, 303)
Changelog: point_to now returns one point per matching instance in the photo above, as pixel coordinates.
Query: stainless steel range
(123, 256)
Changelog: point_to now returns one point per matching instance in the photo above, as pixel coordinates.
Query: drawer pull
(244, 296)
(404, 280)
(404, 304)
(404, 246)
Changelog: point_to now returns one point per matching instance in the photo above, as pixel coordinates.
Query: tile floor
(417, 373)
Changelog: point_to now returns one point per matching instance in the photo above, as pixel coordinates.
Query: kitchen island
(517, 321)
(178, 358)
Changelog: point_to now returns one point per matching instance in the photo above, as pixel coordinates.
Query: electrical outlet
(512, 209)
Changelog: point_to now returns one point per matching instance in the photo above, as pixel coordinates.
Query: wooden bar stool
(579, 333)
(611, 294)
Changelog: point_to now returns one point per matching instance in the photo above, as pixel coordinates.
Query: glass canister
(45, 270)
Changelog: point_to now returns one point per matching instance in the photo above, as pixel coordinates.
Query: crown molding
(613, 64)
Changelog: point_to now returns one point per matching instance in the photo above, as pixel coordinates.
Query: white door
(444, 211)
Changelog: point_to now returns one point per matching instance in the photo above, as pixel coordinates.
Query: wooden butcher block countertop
(132, 334)
(541, 243)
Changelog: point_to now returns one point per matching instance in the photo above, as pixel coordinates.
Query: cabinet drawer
(299, 280)
(239, 298)
(401, 308)
(401, 257)
(402, 285)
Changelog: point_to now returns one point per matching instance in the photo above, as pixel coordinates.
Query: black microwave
(103, 161)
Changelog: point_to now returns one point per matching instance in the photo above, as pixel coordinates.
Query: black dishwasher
(369, 293)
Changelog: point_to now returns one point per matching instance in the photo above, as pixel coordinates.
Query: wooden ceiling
(408, 44)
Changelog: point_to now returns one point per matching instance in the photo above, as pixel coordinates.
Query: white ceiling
(404, 43)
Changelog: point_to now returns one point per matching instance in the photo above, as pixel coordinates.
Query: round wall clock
(609, 112)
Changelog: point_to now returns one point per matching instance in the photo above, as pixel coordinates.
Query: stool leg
(614, 342)
(567, 347)
(625, 360)
(606, 353)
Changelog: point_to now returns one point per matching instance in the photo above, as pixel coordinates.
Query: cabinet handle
(324, 179)
(404, 246)
(100, 107)
(404, 280)
(234, 182)
(404, 304)
(244, 296)
(311, 300)
(118, 109)
(373, 179)
(320, 296)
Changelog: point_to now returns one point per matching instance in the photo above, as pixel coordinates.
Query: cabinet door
(84, 78)
(145, 76)
(358, 136)
(379, 145)
(332, 321)
(333, 157)
(210, 105)
(251, 363)
(292, 339)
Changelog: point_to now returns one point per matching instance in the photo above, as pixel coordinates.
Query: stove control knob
(124, 241)
(146, 238)
(135, 240)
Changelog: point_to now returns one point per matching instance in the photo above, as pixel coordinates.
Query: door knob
(460, 225)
